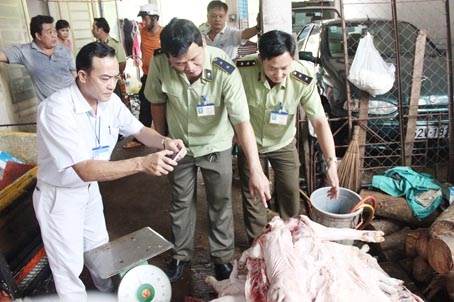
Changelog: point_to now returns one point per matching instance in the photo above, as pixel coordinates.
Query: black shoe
(223, 271)
(175, 269)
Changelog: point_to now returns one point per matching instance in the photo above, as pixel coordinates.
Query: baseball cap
(148, 9)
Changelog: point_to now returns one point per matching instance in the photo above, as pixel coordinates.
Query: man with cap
(150, 41)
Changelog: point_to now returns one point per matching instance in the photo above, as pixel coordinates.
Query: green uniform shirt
(219, 84)
(296, 88)
(119, 50)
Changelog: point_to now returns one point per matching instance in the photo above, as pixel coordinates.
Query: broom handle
(355, 133)
(308, 200)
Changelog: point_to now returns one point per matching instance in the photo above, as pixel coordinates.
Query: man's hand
(259, 186)
(176, 146)
(158, 163)
(333, 180)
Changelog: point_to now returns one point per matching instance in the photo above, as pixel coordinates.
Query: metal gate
(411, 125)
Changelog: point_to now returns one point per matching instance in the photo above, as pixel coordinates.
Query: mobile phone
(178, 155)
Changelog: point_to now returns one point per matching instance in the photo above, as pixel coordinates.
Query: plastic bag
(369, 72)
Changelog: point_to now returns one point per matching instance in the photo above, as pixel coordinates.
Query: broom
(349, 167)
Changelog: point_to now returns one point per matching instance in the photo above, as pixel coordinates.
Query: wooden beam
(414, 96)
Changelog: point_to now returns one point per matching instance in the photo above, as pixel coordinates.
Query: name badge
(101, 153)
(278, 118)
(205, 110)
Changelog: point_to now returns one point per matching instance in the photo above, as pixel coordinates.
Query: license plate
(423, 132)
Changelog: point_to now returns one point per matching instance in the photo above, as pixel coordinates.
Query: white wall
(194, 10)
(130, 8)
(191, 10)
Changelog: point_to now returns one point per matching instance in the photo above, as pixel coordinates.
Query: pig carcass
(229, 290)
(297, 260)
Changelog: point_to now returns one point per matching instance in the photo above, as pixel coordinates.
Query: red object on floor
(30, 265)
(12, 172)
(5, 297)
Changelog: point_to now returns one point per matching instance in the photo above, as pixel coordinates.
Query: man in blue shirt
(50, 65)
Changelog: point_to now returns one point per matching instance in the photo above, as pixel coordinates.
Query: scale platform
(126, 252)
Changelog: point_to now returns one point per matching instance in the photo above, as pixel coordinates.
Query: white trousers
(71, 222)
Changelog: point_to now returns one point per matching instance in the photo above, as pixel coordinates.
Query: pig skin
(234, 286)
(297, 260)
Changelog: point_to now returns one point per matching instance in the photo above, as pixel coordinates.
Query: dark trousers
(145, 105)
(285, 164)
(216, 170)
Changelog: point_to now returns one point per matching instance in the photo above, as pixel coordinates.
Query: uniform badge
(208, 74)
(301, 77)
(157, 51)
(248, 63)
(224, 65)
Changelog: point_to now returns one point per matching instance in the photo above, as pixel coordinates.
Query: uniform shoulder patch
(301, 77)
(224, 65)
(208, 74)
(247, 63)
(157, 51)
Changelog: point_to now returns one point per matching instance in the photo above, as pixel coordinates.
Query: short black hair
(36, 24)
(274, 43)
(61, 24)
(217, 4)
(178, 36)
(84, 58)
(102, 23)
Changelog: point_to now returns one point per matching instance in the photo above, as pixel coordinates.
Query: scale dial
(145, 283)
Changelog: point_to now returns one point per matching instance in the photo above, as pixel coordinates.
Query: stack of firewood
(425, 248)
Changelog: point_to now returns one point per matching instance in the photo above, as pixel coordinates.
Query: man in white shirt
(77, 130)
(217, 33)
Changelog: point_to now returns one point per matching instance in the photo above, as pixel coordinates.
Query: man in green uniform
(275, 85)
(101, 30)
(197, 91)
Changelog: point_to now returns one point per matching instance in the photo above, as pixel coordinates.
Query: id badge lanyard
(99, 152)
(279, 117)
(205, 108)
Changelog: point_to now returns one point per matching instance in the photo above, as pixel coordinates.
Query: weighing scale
(125, 259)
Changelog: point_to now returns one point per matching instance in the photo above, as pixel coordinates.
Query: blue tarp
(403, 181)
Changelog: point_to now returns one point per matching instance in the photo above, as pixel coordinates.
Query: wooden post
(363, 117)
(414, 96)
